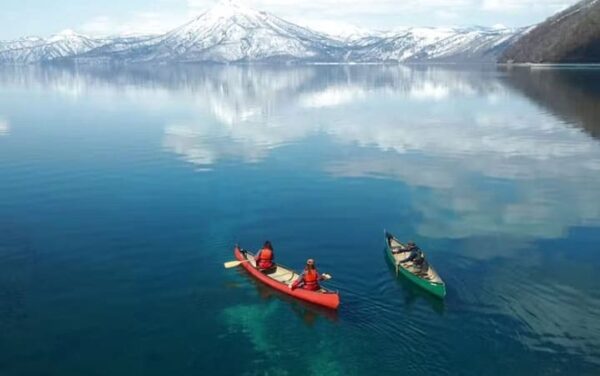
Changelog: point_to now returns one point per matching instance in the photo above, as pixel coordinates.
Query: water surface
(122, 192)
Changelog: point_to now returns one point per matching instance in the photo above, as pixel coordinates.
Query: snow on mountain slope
(480, 44)
(233, 33)
(433, 44)
(25, 42)
(35, 50)
(230, 32)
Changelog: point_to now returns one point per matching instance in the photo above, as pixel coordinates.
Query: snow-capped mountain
(35, 50)
(433, 44)
(229, 32)
(233, 33)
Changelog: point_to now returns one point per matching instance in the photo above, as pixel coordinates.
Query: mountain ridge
(232, 33)
(570, 36)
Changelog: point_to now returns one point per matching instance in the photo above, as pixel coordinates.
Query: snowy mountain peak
(218, 19)
(230, 32)
(229, 11)
(65, 35)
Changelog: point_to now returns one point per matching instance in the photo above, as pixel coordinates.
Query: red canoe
(282, 277)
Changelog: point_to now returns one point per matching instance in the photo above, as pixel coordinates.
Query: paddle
(233, 264)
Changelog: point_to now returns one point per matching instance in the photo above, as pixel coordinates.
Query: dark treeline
(572, 36)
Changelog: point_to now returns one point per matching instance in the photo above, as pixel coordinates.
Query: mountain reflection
(570, 93)
(482, 150)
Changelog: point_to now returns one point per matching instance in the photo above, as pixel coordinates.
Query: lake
(123, 192)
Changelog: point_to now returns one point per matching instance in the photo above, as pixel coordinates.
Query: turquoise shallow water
(122, 192)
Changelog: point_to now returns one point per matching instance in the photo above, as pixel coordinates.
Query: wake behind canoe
(423, 276)
(282, 276)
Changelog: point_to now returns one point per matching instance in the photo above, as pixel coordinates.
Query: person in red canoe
(309, 280)
(265, 257)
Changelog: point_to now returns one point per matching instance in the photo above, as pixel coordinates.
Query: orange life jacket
(311, 280)
(265, 258)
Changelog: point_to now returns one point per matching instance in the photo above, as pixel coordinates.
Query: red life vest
(311, 280)
(265, 258)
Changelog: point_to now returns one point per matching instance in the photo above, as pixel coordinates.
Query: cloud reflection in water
(495, 160)
(4, 127)
(478, 130)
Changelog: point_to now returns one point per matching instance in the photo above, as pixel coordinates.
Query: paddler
(265, 257)
(309, 280)
(416, 255)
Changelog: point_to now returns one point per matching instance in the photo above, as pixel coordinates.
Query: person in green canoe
(416, 255)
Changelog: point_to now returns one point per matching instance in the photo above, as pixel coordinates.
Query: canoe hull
(434, 288)
(327, 299)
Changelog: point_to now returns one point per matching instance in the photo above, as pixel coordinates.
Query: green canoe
(425, 276)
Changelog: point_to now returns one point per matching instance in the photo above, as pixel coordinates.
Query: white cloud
(101, 25)
(341, 8)
(139, 23)
(519, 5)
(502, 5)
(445, 14)
(335, 27)
(386, 14)
(338, 17)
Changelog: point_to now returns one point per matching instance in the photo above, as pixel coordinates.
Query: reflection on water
(474, 129)
(476, 138)
(572, 94)
(4, 127)
(497, 172)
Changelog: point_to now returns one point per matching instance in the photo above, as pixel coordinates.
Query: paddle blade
(231, 264)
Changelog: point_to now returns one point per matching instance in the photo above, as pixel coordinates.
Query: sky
(109, 17)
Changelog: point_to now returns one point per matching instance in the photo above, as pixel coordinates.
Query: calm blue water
(122, 192)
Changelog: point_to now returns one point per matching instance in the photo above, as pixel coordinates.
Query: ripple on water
(553, 317)
(399, 315)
